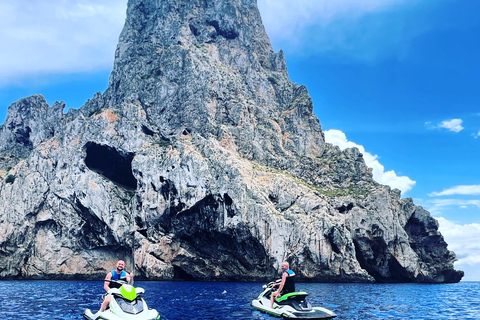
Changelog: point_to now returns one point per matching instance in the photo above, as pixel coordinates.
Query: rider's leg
(272, 297)
(105, 302)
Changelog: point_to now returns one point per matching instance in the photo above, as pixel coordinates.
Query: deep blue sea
(231, 300)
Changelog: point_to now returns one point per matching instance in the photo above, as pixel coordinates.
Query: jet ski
(292, 305)
(126, 304)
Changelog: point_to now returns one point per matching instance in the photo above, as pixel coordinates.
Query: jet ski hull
(150, 314)
(286, 312)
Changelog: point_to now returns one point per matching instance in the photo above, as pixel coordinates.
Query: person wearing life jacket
(287, 284)
(116, 274)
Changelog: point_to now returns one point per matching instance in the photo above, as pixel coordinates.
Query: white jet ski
(126, 304)
(292, 305)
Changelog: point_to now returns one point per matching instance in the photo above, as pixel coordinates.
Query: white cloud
(438, 207)
(58, 36)
(465, 190)
(390, 178)
(285, 18)
(441, 203)
(454, 125)
(345, 30)
(464, 240)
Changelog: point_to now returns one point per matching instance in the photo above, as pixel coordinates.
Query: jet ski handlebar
(117, 281)
(271, 283)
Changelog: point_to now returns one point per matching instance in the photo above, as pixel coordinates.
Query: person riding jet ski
(124, 302)
(286, 302)
(287, 284)
(116, 274)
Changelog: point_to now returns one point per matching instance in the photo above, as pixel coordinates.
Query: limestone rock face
(200, 161)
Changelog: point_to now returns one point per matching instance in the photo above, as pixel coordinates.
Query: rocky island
(201, 161)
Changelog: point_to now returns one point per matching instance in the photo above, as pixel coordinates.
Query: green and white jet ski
(292, 305)
(126, 304)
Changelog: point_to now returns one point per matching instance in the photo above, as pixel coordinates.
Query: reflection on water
(231, 300)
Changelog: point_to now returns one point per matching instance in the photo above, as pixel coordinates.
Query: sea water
(231, 300)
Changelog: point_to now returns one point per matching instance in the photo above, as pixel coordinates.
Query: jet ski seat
(296, 300)
(298, 296)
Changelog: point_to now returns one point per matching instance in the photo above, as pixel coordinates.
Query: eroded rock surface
(207, 160)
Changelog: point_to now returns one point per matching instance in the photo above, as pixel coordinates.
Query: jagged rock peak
(29, 122)
(208, 67)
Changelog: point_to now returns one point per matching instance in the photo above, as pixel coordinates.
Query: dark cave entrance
(180, 274)
(112, 164)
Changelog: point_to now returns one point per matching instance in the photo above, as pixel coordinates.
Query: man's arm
(284, 278)
(130, 278)
(106, 284)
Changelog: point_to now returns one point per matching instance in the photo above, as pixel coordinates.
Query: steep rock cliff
(205, 159)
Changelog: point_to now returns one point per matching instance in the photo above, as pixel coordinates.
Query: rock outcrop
(205, 159)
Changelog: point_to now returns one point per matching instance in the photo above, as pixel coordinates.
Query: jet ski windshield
(131, 307)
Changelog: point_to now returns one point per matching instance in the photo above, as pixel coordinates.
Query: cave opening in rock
(200, 231)
(180, 274)
(227, 33)
(22, 136)
(344, 208)
(111, 163)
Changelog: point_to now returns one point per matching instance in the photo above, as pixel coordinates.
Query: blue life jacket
(116, 276)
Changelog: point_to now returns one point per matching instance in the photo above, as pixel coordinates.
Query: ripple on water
(231, 300)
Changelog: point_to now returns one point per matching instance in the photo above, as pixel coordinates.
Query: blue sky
(398, 79)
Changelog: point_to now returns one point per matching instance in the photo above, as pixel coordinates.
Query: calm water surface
(231, 300)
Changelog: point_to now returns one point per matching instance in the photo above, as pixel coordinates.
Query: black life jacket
(289, 282)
